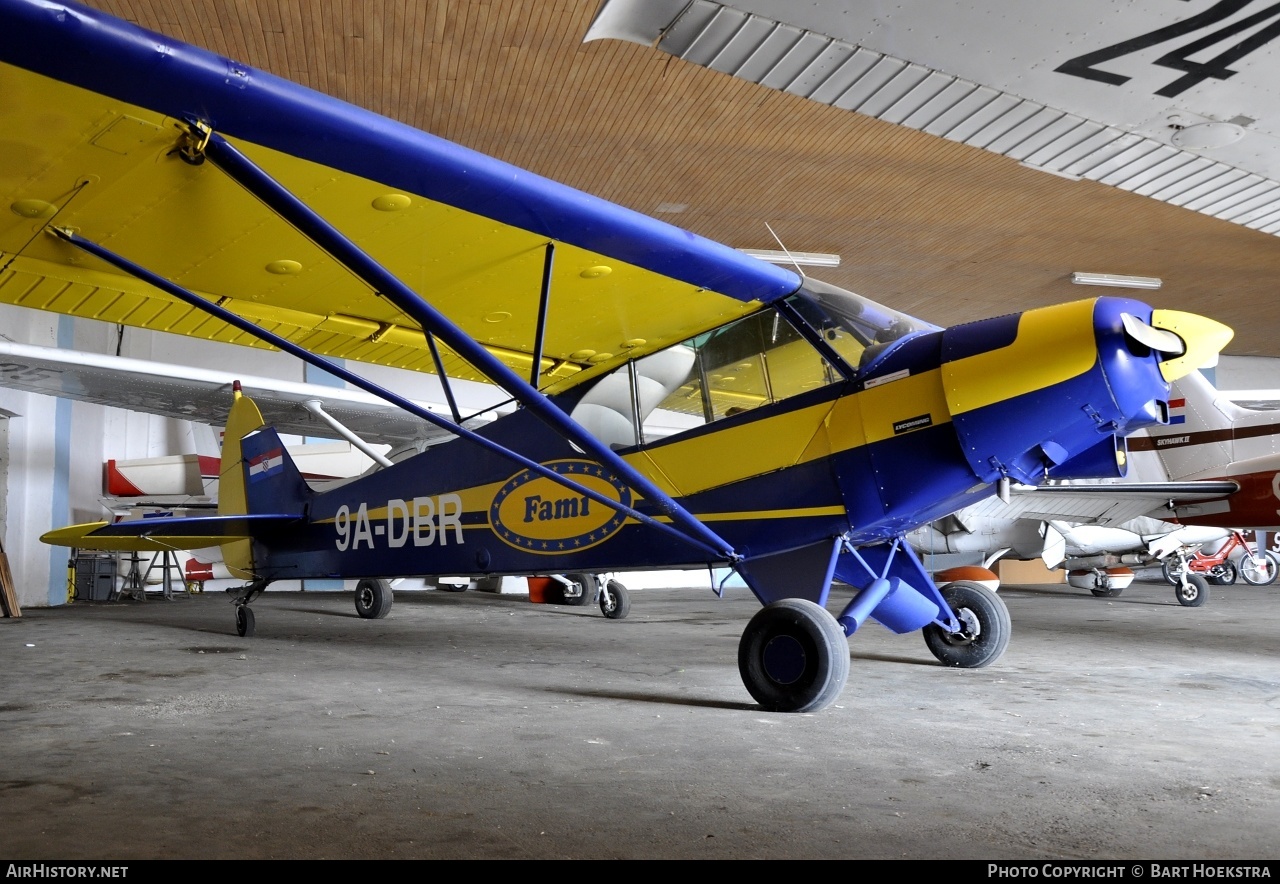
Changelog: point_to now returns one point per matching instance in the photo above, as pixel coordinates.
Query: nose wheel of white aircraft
(373, 599)
(793, 657)
(984, 627)
(615, 601)
(1192, 592)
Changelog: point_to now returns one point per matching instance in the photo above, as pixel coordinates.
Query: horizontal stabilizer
(160, 534)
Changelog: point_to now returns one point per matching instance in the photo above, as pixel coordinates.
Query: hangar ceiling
(940, 229)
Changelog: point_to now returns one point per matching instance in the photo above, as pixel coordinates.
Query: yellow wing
(92, 116)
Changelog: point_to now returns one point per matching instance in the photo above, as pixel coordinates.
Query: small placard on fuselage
(912, 423)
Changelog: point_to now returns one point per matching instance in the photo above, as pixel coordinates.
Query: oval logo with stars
(539, 515)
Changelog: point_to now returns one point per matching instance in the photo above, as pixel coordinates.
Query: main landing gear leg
(244, 614)
(793, 656)
(964, 623)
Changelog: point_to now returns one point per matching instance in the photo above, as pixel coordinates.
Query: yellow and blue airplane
(155, 184)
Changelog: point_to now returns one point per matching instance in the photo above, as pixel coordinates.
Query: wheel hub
(784, 659)
(970, 628)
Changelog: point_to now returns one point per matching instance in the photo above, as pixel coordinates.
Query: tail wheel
(1194, 593)
(373, 599)
(793, 657)
(244, 621)
(615, 601)
(984, 627)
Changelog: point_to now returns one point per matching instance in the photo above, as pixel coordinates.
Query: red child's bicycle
(1235, 557)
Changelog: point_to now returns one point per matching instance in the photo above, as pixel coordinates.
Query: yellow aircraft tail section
(87, 536)
(232, 498)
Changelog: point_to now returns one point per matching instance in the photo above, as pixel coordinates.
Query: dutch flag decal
(1177, 411)
(265, 465)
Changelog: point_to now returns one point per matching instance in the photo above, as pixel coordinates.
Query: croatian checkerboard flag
(1177, 411)
(262, 466)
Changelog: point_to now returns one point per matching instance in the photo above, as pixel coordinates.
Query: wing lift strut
(683, 524)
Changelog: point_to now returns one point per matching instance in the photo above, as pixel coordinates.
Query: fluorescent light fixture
(1115, 279)
(806, 259)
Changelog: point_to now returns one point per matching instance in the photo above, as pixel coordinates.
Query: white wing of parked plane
(204, 395)
(1101, 504)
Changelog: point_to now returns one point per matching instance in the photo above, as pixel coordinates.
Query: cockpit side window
(740, 366)
(721, 373)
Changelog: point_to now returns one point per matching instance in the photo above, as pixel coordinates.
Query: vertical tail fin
(232, 501)
(272, 482)
(257, 475)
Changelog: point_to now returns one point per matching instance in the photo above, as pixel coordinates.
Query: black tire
(1103, 588)
(984, 627)
(373, 599)
(590, 586)
(615, 601)
(1256, 574)
(244, 621)
(1194, 594)
(793, 657)
(1223, 575)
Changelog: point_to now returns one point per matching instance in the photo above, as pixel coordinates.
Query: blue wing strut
(309, 223)
(333, 368)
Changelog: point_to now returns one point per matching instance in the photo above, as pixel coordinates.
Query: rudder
(257, 476)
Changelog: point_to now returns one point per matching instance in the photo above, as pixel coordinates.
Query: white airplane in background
(378, 433)
(1099, 529)
(203, 395)
(372, 435)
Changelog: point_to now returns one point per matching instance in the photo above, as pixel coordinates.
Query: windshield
(857, 328)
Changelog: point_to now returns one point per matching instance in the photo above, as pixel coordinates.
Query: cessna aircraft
(156, 184)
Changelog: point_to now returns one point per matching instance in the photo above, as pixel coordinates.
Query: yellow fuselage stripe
(1053, 344)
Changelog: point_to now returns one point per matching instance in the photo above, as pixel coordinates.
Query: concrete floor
(472, 725)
